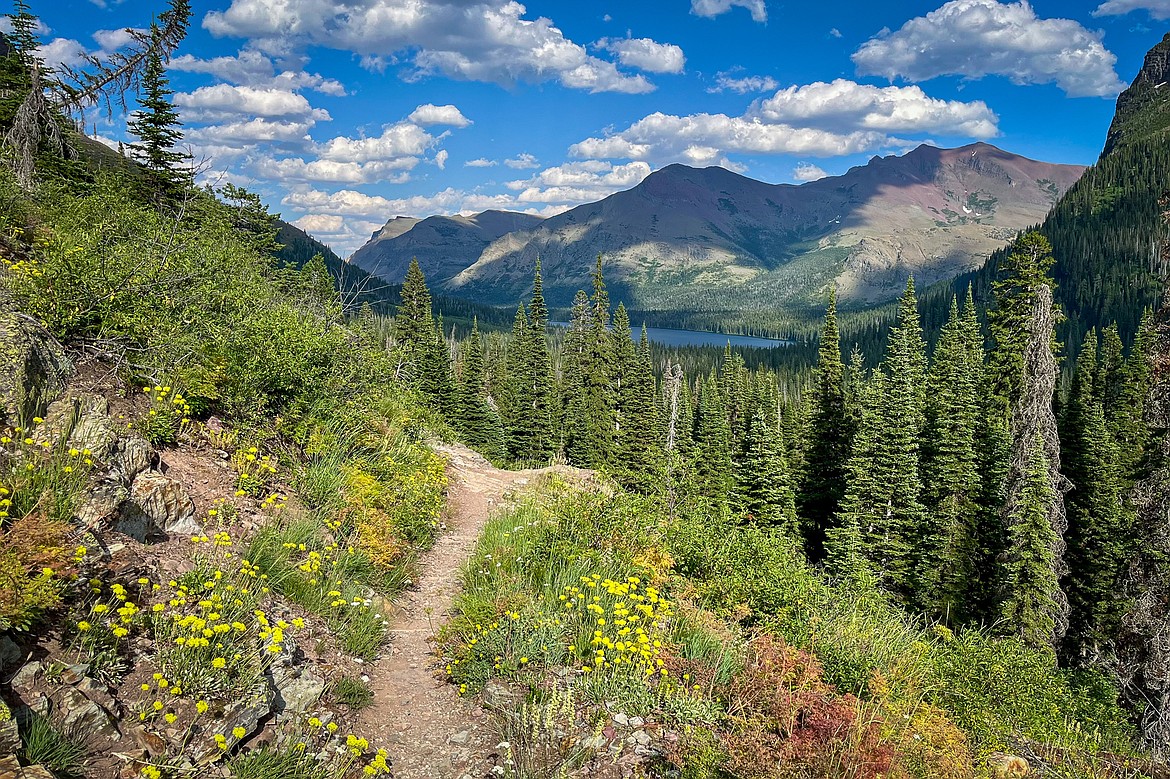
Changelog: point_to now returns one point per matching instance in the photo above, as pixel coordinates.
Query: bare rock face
(84, 423)
(157, 507)
(296, 686)
(33, 365)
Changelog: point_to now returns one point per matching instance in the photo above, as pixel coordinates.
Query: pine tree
(1020, 276)
(544, 435)
(1126, 416)
(157, 126)
(1031, 611)
(847, 553)
(904, 522)
(595, 449)
(639, 451)
(574, 358)
(517, 402)
(23, 36)
(763, 490)
(993, 444)
(622, 369)
(909, 329)
(712, 438)
(425, 355)
(413, 320)
(476, 419)
(1032, 421)
(946, 549)
(434, 377)
(828, 440)
(1099, 526)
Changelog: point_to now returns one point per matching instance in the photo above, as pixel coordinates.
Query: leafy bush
(191, 295)
(787, 722)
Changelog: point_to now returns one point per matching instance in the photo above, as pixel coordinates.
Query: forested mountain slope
(713, 240)
(1107, 230)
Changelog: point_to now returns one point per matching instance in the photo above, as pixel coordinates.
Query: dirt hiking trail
(430, 731)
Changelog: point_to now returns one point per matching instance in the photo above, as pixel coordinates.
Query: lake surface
(666, 336)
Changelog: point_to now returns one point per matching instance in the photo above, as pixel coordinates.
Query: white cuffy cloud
(428, 115)
(1157, 9)
(758, 10)
(806, 171)
(646, 54)
(977, 38)
(254, 69)
(476, 40)
(819, 119)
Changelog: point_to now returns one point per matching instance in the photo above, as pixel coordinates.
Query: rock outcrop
(1143, 110)
(34, 367)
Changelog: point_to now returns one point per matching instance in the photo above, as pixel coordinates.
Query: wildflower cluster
(212, 633)
(168, 416)
(343, 753)
(104, 622)
(41, 484)
(630, 625)
(23, 268)
(607, 629)
(320, 577)
(254, 471)
(396, 500)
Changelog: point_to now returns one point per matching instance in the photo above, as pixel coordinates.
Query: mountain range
(690, 239)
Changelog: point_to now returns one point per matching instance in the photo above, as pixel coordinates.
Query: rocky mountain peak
(1143, 109)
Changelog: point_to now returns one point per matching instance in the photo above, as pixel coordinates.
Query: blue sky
(345, 113)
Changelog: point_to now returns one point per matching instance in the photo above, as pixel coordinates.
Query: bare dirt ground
(429, 730)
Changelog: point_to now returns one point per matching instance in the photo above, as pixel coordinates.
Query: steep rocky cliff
(1143, 110)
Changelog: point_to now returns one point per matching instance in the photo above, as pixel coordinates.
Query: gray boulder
(157, 507)
(34, 367)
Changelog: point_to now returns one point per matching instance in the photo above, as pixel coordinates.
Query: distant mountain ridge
(443, 245)
(689, 239)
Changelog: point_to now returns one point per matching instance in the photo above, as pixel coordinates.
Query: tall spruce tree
(476, 420)
(517, 404)
(828, 445)
(1024, 295)
(848, 553)
(425, 354)
(639, 451)
(763, 490)
(946, 549)
(712, 438)
(905, 521)
(1099, 526)
(1032, 609)
(544, 438)
(595, 448)
(156, 124)
(575, 427)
